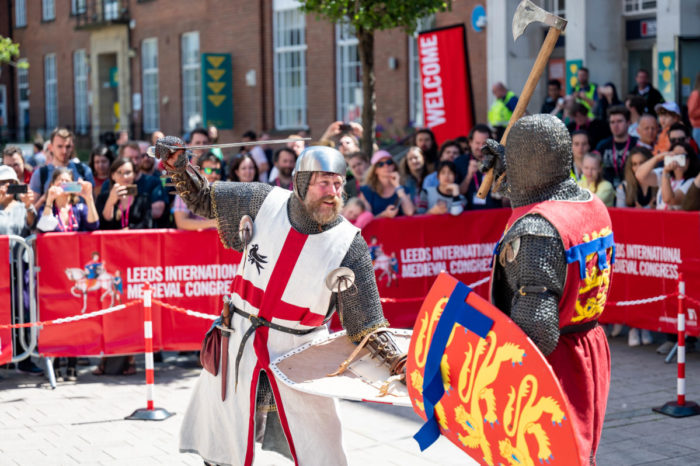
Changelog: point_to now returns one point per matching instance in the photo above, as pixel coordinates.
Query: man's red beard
(323, 217)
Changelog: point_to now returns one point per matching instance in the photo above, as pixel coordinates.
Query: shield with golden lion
(477, 379)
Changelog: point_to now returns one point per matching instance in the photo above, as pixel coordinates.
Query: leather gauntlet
(383, 347)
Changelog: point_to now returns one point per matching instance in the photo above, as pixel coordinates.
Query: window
(191, 82)
(415, 94)
(3, 105)
(149, 70)
(50, 92)
(78, 7)
(22, 98)
(633, 7)
(289, 42)
(348, 74)
(48, 10)
(111, 9)
(80, 77)
(556, 7)
(20, 13)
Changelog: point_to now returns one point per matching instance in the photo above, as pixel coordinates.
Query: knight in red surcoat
(552, 268)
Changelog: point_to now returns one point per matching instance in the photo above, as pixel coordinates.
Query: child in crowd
(356, 212)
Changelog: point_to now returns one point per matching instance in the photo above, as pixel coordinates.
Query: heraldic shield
(476, 378)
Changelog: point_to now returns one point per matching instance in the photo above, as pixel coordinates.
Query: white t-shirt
(676, 185)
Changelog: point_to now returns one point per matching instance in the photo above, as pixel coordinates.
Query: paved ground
(82, 423)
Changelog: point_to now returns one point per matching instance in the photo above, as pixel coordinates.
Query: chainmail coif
(538, 161)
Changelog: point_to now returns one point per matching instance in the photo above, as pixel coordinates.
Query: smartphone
(345, 128)
(669, 159)
(17, 189)
(132, 190)
(72, 187)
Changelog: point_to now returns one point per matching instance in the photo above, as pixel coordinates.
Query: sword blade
(240, 144)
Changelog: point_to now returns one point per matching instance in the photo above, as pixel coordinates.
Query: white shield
(366, 379)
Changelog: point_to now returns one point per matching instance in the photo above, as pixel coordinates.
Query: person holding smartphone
(62, 211)
(383, 194)
(123, 206)
(16, 217)
(680, 166)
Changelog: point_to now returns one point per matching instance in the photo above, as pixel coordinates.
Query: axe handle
(532, 80)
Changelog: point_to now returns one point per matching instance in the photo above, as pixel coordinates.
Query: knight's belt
(578, 328)
(256, 322)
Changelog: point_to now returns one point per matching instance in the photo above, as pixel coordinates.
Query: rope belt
(578, 328)
(255, 323)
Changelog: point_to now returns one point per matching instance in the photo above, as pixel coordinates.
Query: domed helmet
(316, 159)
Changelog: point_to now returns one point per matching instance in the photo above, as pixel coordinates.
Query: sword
(225, 337)
(152, 149)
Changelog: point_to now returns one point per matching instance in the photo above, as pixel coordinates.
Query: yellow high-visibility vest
(499, 114)
(589, 94)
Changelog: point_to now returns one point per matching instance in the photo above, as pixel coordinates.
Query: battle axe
(527, 13)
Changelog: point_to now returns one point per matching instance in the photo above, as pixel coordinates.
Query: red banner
(5, 302)
(82, 272)
(444, 70)
(653, 247)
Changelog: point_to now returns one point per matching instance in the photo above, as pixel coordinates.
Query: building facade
(102, 65)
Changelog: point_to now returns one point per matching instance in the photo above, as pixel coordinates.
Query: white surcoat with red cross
(281, 278)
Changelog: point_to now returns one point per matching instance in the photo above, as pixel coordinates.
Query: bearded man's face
(324, 197)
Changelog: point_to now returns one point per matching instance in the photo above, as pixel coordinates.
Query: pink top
(363, 219)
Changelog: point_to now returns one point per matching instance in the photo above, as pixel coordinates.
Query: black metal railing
(99, 13)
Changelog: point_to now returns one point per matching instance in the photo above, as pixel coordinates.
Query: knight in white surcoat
(291, 242)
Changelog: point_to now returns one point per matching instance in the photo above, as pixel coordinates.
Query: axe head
(527, 12)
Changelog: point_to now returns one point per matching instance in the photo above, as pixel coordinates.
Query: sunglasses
(385, 162)
(677, 140)
(209, 170)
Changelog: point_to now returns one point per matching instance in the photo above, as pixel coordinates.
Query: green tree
(9, 52)
(366, 17)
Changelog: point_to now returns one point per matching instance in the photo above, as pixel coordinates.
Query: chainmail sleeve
(531, 272)
(362, 310)
(230, 201)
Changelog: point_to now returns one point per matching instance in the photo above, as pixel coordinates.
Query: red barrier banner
(5, 302)
(444, 70)
(409, 253)
(81, 272)
(652, 248)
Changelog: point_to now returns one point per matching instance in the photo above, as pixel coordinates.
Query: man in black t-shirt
(615, 148)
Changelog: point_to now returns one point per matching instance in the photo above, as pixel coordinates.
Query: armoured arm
(534, 264)
(227, 202)
(362, 310)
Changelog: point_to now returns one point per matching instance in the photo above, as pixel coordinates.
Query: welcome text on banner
(444, 71)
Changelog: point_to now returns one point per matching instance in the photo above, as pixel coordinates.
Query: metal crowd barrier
(23, 261)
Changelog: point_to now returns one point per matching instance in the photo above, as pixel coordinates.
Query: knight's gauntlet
(383, 347)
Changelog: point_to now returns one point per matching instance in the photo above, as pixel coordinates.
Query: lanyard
(125, 216)
(624, 155)
(279, 185)
(476, 182)
(72, 223)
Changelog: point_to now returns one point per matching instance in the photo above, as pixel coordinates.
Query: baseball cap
(670, 107)
(379, 155)
(8, 173)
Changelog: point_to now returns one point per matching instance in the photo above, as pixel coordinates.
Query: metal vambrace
(382, 346)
